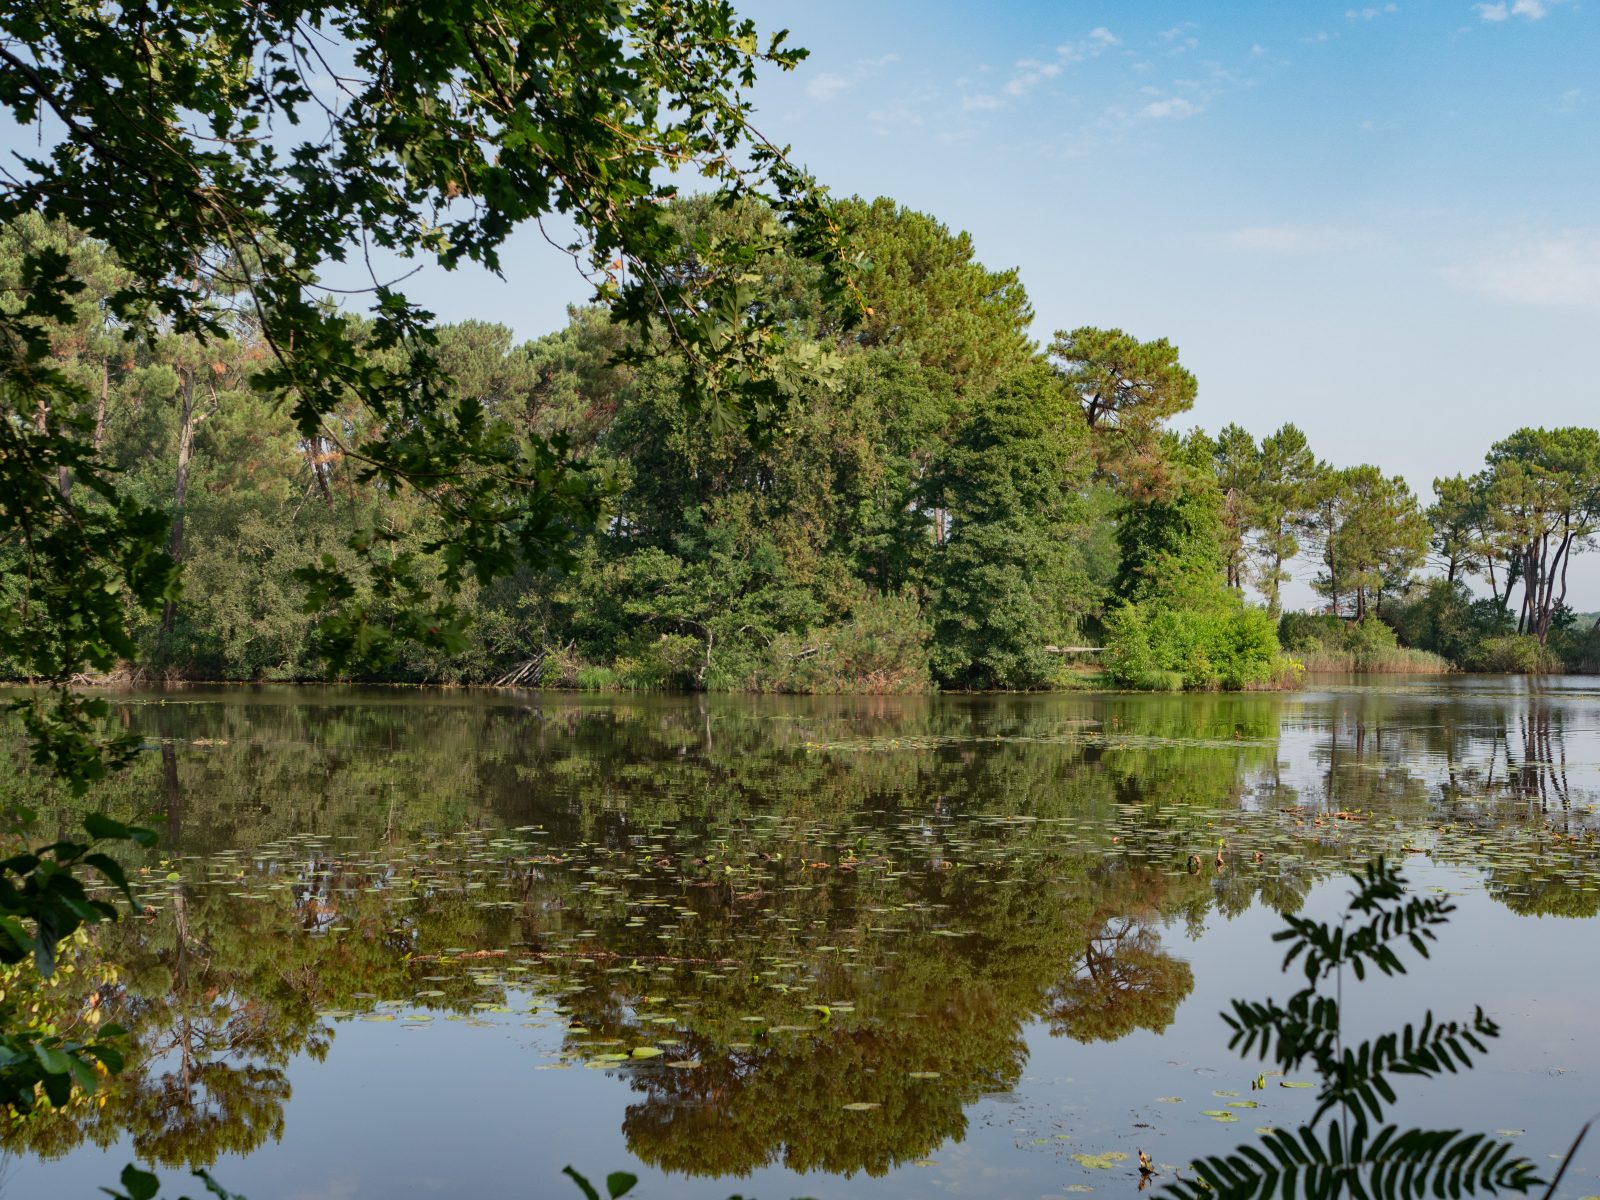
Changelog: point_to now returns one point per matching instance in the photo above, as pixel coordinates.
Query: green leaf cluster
(1344, 1148)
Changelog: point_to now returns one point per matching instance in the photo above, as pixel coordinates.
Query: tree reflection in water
(808, 906)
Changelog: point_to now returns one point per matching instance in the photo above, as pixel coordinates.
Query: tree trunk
(100, 405)
(180, 491)
(42, 425)
(319, 468)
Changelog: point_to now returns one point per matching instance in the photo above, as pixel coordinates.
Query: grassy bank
(1396, 661)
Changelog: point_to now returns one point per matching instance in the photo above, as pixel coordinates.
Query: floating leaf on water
(1100, 1162)
(1224, 1094)
(647, 1052)
(685, 1064)
(1169, 1099)
(1293, 1083)
(1243, 1104)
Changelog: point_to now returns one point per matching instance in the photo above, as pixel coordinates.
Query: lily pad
(1100, 1162)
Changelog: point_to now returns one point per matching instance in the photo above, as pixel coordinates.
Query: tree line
(928, 499)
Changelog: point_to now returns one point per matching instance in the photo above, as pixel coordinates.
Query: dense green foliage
(926, 503)
(205, 165)
(929, 504)
(1230, 646)
(1324, 642)
(195, 147)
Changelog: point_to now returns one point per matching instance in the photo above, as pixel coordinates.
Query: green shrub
(1232, 647)
(672, 662)
(1577, 646)
(1517, 654)
(882, 649)
(592, 678)
(1302, 631)
(1442, 617)
(1323, 642)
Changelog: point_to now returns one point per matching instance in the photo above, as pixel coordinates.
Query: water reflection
(835, 920)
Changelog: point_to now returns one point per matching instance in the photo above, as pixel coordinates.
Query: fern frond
(1359, 1081)
(1393, 1163)
(1380, 894)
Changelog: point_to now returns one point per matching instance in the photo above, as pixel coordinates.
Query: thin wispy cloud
(1371, 13)
(901, 112)
(1533, 10)
(1029, 73)
(1173, 108)
(826, 86)
(1559, 271)
(1179, 38)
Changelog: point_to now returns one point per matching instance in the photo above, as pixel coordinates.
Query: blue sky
(1378, 222)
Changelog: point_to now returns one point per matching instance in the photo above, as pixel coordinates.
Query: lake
(407, 943)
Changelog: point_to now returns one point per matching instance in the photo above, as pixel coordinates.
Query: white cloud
(1031, 74)
(1294, 240)
(1500, 10)
(1560, 271)
(829, 84)
(905, 111)
(1174, 108)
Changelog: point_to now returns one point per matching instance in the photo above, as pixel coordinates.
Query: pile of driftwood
(524, 673)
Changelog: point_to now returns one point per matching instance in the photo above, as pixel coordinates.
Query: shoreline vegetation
(929, 501)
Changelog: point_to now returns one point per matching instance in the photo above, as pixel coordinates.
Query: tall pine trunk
(180, 491)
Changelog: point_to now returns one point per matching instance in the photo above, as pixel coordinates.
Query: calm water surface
(413, 944)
